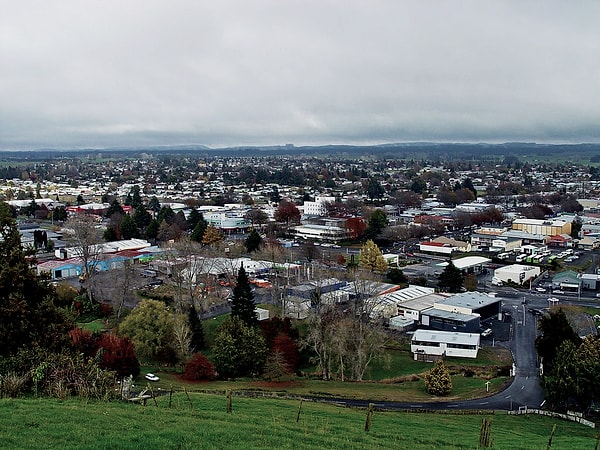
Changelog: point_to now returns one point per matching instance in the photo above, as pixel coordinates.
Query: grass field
(262, 424)
(390, 379)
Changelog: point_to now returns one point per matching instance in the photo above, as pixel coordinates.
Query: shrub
(199, 368)
(84, 341)
(117, 354)
(12, 384)
(437, 380)
(105, 310)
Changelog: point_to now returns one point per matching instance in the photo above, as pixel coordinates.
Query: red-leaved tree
(287, 212)
(356, 227)
(199, 368)
(84, 341)
(117, 354)
(288, 348)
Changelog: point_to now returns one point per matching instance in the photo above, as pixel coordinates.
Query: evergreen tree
(377, 222)
(374, 189)
(28, 317)
(136, 199)
(142, 217)
(166, 214)
(195, 324)
(152, 229)
(198, 232)
(114, 208)
(193, 218)
(253, 241)
(129, 229)
(154, 204)
(242, 305)
(238, 349)
(438, 380)
(451, 279)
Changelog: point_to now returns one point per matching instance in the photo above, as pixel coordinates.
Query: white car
(151, 377)
(540, 289)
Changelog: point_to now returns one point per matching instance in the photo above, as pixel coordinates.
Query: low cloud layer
(134, 73)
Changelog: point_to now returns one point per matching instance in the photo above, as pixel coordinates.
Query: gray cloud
(102, 73)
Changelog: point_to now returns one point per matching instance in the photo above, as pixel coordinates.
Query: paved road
(525, 388)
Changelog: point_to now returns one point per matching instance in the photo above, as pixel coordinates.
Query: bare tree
(86, 238)
(123, 281)
(345, 343)
(182, 335)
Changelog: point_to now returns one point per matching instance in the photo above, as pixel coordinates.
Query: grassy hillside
(262, 423)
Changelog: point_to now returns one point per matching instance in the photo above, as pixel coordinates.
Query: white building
(516, 273)
(432, 344)
(319, 206)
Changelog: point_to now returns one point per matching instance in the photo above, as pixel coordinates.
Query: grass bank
(263, 423)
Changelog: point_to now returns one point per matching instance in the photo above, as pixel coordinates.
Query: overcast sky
(86, 73)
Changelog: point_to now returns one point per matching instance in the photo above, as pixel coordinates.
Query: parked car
(147, 273)
(151, 377)
(487, 332)
(540, 289)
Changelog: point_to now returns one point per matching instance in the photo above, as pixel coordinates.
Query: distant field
(264, 423)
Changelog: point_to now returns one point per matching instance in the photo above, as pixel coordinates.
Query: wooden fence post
(228, 396)
(551, 436)
(299, 410)
(369, 417)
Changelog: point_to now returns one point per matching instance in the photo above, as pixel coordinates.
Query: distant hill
(409, 150)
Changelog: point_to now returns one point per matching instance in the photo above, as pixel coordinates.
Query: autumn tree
(287, 213)
(117, 353)
(242, 304)
(356, 227)
(371, 258)
(212, 236)
(437, 380)
(199, 368)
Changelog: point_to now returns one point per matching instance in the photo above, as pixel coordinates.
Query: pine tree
(197, 329)
(198, 231)
(253, 241)
(242, 305)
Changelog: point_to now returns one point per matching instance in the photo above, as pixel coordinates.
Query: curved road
(524, 390)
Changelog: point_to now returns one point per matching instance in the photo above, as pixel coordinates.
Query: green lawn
(262, 424)
(93, 326)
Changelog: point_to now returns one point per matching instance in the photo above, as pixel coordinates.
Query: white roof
(446, 336)
(467, 261)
